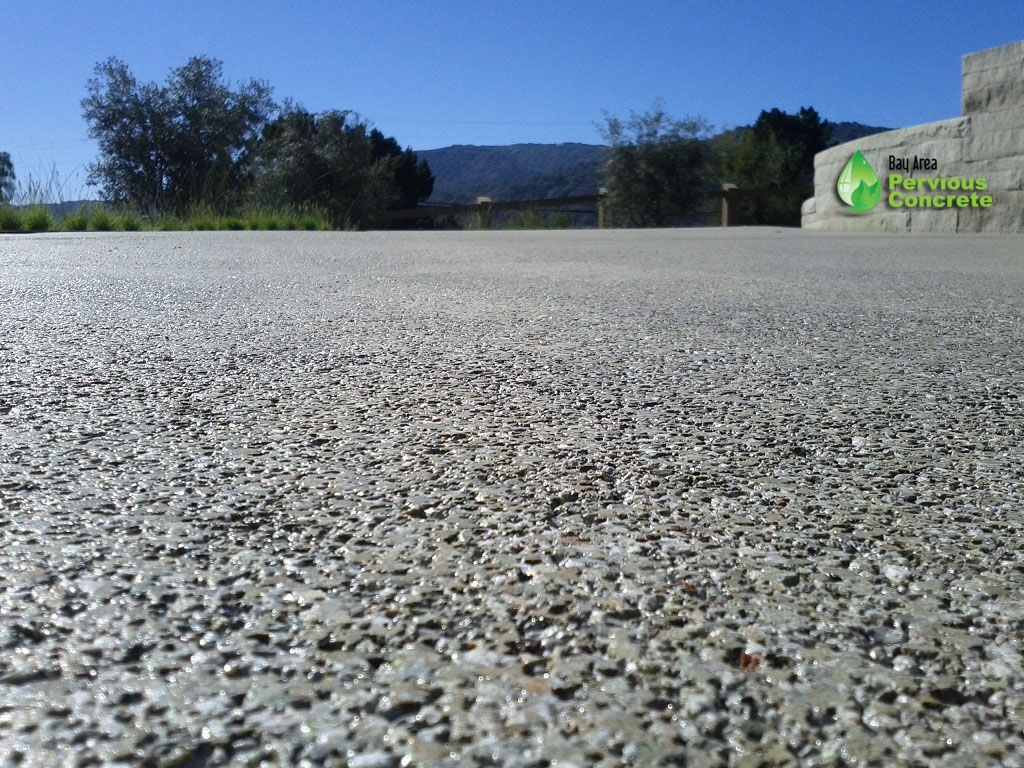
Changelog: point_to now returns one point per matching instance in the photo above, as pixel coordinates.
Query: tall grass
(37, 218)
(130, 221)
(40, 206)
(75, 222)
(100, 220)
(532, 219)
(205, 218)
(169, 223)
(34, 218)
(10, 219)
(46, 187)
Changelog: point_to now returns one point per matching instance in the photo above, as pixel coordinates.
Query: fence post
(601, 194)
(483, 212)
(730, 205)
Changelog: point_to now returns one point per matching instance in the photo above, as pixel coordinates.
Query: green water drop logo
(858, 186)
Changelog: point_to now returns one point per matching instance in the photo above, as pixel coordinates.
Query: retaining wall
(986, 141)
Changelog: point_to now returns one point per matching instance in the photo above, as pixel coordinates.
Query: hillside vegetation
(535, 171)
(462, 172)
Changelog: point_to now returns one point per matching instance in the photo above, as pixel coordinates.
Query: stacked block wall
(986, 141)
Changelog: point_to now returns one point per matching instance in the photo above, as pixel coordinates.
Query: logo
(858, 186)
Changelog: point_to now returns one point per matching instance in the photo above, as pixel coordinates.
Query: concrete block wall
(993, 80)
(987, 140)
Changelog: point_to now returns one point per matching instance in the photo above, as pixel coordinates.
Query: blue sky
(439, 73)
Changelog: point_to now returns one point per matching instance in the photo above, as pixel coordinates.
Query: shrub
(170, 224)
(130, 221)
(202, 217)
(75, 222)
(535, 220)
(657, 169)
(101, 220)
(203, 222)
(37, 219)
(10, 221)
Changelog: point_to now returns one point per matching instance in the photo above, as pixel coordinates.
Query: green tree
(802, 136)
(776, 152)
(324, 161)
(657, 169)
(412, 179)
(168, 147)
(7, 179)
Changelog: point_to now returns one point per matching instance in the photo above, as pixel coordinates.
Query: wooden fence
(484, 208)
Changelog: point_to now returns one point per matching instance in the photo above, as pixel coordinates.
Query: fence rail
(484, 208)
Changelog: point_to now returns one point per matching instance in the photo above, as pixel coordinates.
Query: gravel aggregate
(563, 499)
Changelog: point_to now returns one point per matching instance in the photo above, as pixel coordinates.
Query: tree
(322, 161)
(169, 147)
(331, 161)
(413, 180)
(658, 168)
(801, 136)
(7, 179)
(776, 152)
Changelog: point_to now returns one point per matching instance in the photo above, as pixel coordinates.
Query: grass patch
(10, 221)
(268, 221)
(285, 219)
(202, 222)
(37, 218)
(537, 220)
(75, 222)
(169, 224)
(129, 221)
(101, 220)
(98, 218)
(202, 217)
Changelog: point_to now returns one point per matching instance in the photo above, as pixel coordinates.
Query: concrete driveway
(678, 497)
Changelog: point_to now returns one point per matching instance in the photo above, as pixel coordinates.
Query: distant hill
(528, 171)
(841, 132)
(844, 132)
(582, 179)
(513, 172)
(66, 208)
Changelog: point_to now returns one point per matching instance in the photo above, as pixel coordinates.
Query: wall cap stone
(990, 58)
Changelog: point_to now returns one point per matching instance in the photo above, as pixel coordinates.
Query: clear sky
(487, 72)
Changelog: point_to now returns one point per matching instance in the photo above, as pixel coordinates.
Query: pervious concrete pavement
(701, 498)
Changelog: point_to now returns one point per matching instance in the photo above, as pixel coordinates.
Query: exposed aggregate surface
(746, 498)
